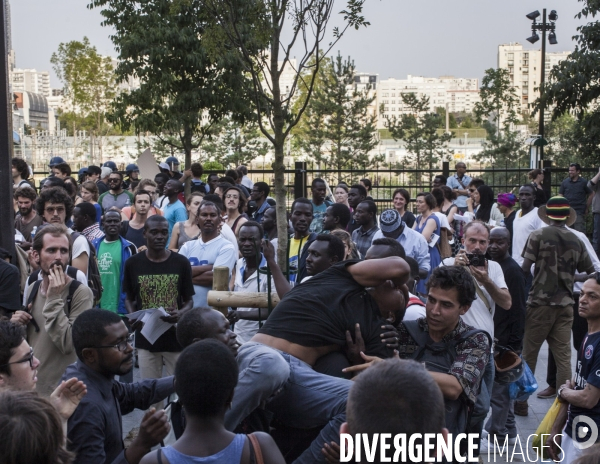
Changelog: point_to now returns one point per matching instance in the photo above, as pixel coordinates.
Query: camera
(476, 259)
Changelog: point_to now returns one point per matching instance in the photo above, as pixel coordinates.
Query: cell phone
(476, 259)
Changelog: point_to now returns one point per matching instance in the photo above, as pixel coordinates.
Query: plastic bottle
(33, 232)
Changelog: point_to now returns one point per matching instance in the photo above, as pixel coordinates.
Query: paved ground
(526, 426)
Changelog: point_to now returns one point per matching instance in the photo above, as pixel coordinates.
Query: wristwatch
(560, 390)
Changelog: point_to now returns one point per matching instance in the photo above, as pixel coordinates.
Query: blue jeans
(308, 399)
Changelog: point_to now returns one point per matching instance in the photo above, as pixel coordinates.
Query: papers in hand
(434, 240)
(154, 326)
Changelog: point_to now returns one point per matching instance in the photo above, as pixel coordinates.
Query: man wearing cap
(415, 246)
(557, 254)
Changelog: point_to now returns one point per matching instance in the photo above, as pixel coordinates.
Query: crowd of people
(387, 322)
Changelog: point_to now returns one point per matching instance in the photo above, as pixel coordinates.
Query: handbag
(523, 388)
(544, 430)
(444, 244)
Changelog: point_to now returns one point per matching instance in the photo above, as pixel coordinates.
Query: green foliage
(417, 127)
(451, 119)
(336, 130)
(184, 89)
(574, 86)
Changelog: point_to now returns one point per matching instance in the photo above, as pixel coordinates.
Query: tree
(336, 129)
(241, 25)
(574, 86)
(418, 128)
(89, 87)
(183, 90)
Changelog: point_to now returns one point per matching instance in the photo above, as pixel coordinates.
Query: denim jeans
(308, 399)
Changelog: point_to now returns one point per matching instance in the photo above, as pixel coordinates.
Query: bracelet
(559, 393)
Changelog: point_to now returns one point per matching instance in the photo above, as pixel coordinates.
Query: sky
(419, 37)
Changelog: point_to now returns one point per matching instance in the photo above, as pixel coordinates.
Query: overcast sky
(419, 37)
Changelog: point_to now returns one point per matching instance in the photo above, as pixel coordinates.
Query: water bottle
(33, 232)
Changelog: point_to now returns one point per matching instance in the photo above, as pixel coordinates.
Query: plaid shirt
(363, 239)
(92, 232)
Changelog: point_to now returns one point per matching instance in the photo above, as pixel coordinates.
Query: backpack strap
(419, 336)
(159, 456)
(30, 298)
(255, 451)
(33, 277)
(72, 272)
(72, 289)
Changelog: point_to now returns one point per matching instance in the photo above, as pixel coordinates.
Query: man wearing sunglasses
(95, 430)
(116, 195)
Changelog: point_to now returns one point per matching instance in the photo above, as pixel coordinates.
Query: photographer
(491, 290)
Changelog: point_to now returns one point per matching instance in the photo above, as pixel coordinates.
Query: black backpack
(439, 357)
(93, 274)
(198, 187)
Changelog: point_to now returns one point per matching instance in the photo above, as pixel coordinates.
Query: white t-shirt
(80, 246)
(522, 227)
(414, 311)
(443, 220)
(227, 233)
(218, 252)
(478, 315)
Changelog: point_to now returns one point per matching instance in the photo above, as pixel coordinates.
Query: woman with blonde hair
(349, 246)
(90, 194)
(185, 231)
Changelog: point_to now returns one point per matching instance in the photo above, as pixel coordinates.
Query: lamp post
(543, 27)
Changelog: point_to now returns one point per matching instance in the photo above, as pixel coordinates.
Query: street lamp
(543, 27)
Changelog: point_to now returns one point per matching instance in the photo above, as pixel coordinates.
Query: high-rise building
(524, 68)
(30, 80)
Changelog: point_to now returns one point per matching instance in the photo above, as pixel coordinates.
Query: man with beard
(95, 430)
(337, 216)
(319, 204)
(209, 250)
(53, 304)
(116, 195)
(158, 278)
(301, 218)
(356, 195)
(27, 218)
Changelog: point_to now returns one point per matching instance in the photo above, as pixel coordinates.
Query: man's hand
(58, 281)
(142, 248)
(25, 245)
(21, 317)
(331, 452)
(356, 347)
(67, 396)
(154, 427)
(461, 258)
(390, 338)
(552, 443)
(481, 275)
(268, 251)
(370, 361)
(233, 316)
(173, 316)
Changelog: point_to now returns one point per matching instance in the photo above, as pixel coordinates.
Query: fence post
(446, 169)
(547, 184)
(300, 179)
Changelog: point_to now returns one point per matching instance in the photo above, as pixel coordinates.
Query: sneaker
(547, 393)
(521, 408)
(512, 441)
(484, 446)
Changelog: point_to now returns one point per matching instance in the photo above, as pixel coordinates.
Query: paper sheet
(148, 165)
(154, 326)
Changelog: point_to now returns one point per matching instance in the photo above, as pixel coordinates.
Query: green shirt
(109, 264)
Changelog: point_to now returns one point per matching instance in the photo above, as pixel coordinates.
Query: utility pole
(7, 231)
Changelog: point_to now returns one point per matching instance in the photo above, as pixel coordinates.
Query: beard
(25, 211)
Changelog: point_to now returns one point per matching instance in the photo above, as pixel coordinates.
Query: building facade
(30, 80)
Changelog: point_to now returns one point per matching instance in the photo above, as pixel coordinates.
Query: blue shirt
(453, 183)
(415, 246)
(174, 213)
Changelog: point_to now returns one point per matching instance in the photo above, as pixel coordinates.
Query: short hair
(206, 374)
(211, 174)
(89, 328)
(429, 199)
(335, 247)
(449, 194)
(21, 166)
(224, 185)
(231, 173)
(113, 210)
(56, 230)
(154, 218)
(396, 249)
(253, 224)
(197, 169)
(91, 187)
(63, 168)
(577, 166)
(94, 170)
(54, 195)
(368, 184)
(263, 187)
(11, 336)
(534, 173)
(438, 194)
(316, 181)
(31, 430)
(243, 169)
(142, 192)
(529, 186)
(4, 254)
(216, 199)
(161, 175)
(120, 174)
(344, 187)
(303, 201)
(395, 396)
(87, 209)
(191, 326)
(206, 202)
(341, 211)
(414, 266)
(458, 277)
(242, 199)
(402, 192)
(442, 177)
(54, 182)
(474, 223)
(371, 208)
(476, 183)
(227, 180)
(25, 192)
(144, 183)
(360, 188)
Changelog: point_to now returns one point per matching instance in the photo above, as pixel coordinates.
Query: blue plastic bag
(523, 388)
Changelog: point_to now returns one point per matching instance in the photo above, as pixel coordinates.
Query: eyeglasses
(114, 180)
(55, 209)
(234, 197)
(27, 359)
(121, 346)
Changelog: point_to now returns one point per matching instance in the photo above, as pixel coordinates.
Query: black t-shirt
(10, 284)
(587, 371)
(509, 325)
(319, 311)
(165, 284)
